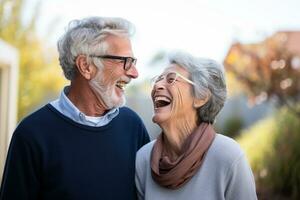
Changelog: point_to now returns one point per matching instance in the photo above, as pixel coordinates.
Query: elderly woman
(189, 160)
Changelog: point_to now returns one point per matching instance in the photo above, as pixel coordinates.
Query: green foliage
(285, 162)
(273, 150)
(39, 77)
(257, 142)
(233, 126)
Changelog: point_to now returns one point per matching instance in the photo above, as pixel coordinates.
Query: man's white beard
(106, 93)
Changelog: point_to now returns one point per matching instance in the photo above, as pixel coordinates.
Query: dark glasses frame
(128, 61)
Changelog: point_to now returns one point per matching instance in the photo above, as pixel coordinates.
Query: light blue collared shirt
(67, 108)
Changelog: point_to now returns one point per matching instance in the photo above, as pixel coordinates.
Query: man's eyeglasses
(170, 77)
(128, 61)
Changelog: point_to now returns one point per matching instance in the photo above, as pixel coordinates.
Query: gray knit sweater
(224, 175)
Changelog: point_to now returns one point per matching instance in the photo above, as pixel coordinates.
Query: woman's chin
(159, 118)
(155, 120)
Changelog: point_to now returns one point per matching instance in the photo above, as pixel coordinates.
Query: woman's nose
(160, 85)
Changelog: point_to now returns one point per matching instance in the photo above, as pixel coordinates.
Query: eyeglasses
(128, 61)
(170, 77)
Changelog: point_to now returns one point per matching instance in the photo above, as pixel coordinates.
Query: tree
(40, 77)
(266, 70)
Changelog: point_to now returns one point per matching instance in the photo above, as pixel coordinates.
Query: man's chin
(118, 103)
(121, 104)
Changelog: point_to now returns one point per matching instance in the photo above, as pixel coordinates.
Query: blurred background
(257, 41)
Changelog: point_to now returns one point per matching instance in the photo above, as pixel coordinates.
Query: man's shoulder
(39, 119)
(130, 120)
(31, 124)
(128, 113)
(38, 115)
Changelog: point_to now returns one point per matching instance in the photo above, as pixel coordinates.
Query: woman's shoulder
(225, 150)
(146, 149)
(143, 156)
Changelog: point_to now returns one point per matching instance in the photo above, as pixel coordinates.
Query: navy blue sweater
(52, 157)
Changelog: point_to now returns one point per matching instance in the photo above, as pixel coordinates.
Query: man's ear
(84, 68)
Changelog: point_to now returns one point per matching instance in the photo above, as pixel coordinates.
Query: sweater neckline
(82, 126)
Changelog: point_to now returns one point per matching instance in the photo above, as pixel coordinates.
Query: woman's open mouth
(161, 101)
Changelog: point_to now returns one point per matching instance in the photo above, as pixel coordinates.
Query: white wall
(9, 61)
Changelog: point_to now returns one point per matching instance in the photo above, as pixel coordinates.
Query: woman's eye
(170, 80)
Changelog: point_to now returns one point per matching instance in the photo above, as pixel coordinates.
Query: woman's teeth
(161, 101)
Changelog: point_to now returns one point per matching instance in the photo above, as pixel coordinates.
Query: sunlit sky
(205, 28)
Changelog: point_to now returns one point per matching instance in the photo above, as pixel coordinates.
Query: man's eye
(120, 61)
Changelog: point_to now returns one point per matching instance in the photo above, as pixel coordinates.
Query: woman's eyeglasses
(170, 77)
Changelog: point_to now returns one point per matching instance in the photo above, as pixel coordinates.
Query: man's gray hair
(86, 37)
(209, 79)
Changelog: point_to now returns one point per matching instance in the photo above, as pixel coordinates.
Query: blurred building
(8, 97)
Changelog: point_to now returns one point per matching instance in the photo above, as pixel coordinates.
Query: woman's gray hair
(209, 79)
(86, 37)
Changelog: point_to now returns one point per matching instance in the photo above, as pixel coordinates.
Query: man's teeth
(121, 84)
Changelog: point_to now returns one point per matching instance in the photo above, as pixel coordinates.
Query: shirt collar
(71, 111)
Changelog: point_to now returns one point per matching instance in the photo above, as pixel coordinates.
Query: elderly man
(83, 145)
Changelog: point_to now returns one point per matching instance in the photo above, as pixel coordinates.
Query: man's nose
(132, 72)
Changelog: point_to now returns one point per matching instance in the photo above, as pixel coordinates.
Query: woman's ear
(84, 68)
(200, 102)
